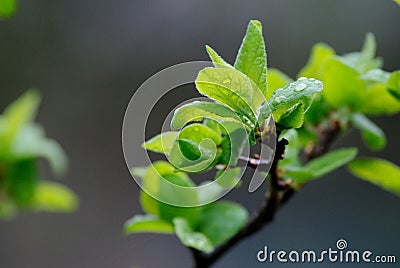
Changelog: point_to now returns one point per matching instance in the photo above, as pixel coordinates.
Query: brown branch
(279, 193)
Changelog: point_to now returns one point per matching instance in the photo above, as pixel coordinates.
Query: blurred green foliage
(22, 144)
(7, 8)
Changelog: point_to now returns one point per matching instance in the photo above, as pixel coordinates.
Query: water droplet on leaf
(300, 87)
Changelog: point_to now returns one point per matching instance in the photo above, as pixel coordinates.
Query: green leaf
(322, 165)
(292, 118)
(377, 171)
(18, 114)
(7, 8)
(222, 220)
(162, 143)
(376, 76)
(228, 177)
(159, 183)
(54, 197)
(373, 136)
(300, 91)
(378, 101)
(315, 66)
(198, 110)
(147, 224)
(20, 181)
(252, 58)
(276, 79)
(397, 1)
(393, 84)
(342, 85)
(233, 142)
(229, 87)
(190, 238)
(217, 59)
(7, 209)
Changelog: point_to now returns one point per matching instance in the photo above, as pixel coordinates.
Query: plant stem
(279, 194)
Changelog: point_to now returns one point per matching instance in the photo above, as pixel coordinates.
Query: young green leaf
(300, 91)
(292, 118)
(377, 171)
(233, 142)
(320, 53)
(221, 220)
(322, 165)
(275, 80)
(190, 238)
(393, 84)
(229, 87)
(342, 85)
(217, 59)
(378, 101)
(252, 58)
(147, 224)
(7, 8)
(228, 177)
(162, 143)
(54, 197)
(373, 136)
(198, 110)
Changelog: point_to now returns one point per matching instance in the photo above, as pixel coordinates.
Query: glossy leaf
(252, 58)
(222, 220)
(161, 143)
(292, 118)
(373, 136)
(217, 59)
(147, 224)
(229, 87)
(190, 238)
(377, 171)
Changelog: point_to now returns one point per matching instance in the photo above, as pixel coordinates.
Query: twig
(279, 194)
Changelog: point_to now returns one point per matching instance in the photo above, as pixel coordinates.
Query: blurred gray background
(88, 57)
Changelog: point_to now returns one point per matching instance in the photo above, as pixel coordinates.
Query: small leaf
(198, 110)
(217, 59)
(322, 165)
(300, 91)
(162, 143)
(252, 58)
(7, 8)
(378, 101)
(233, 142)
(190, 238)
(371, 133)
(342, 85)
(393, 84)
(292, 118)
(320, 53)
(54, 197)
(377, 171)
(229, 87)
(276, 79)
(147, 224)
(222, 220)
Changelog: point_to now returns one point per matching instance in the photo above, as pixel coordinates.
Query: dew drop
(312, 79)
(300, 87)
(302, 78)
(279, 99)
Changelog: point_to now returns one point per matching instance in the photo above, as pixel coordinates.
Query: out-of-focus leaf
(147, 224)
(7, 8)
(378, 101)
(190, 238)
(54, 197)
(252, 58)
(222, 220)
(217, 59)
(393, 84)
(198, 110)
(320, 53)
(162, 143)
(377, 171)
(20, 181)
(275, 80)
(7, 209)
(373, 136)
(322, 165)
(376, 76)
(342, 85)
(229, 87)
(228, 177)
